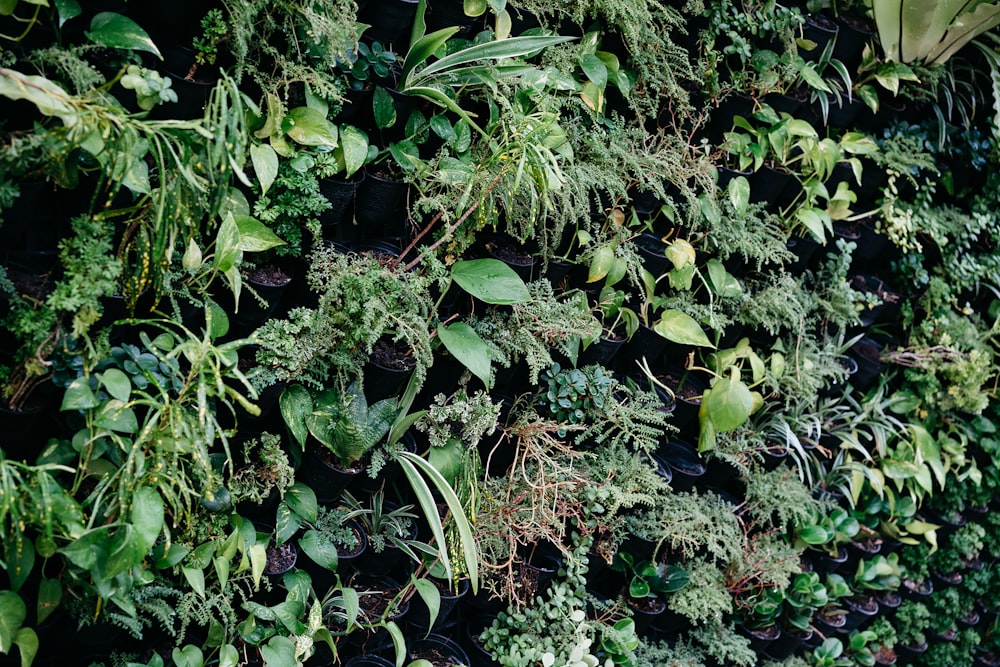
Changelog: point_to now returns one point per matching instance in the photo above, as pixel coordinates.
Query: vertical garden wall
(541, 334)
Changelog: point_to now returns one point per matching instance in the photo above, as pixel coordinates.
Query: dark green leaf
(79, 396)
(12, 614)
(255, 236)
(384, 108)
(464, 344)
(320, 549)
(120, 32)
(309, 127)
(491, 281)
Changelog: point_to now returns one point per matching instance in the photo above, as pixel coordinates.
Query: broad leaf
(147, 515)
(120, 32)
(12, 614)
(295, 403)
(490, 281)
(255, 236)
(79, 396)
(464, 344)
(49, 597)
(309, 127)
(681, 328)
(727, 404)
(265, 165)
(227, 244)
(354, 147)
(320, 549)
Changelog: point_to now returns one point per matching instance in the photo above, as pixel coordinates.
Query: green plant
(341, 420)
(571, 394)
(360, 301)
(365, 62)
(650, 579)
(930, 32)
(880, 573)
(911, 620)
(805, 595)
(269, 470)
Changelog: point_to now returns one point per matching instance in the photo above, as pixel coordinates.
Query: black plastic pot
(390, 22)
(819, 30)
(860, 611)
(645, 611)
(324, 478)
(867, 354)
(602, 351)
(471, 629)
(652, 249)
(786, 644)
(760, 638)
(380, 207)
(436, 645)
(685, 464)
(337, 221)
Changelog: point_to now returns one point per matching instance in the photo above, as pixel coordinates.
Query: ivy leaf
(309, 127)
(727, 404)
(120, 32)
(255, 236)
(79, 396)
(265, 165)
(681, 328)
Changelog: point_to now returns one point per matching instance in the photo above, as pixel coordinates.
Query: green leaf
(424, 48)
(595, 69)
(431, 596)
(27, 645)
(415, 468)
(320, 549)
(49, 597)
(79, 396)
(739, 194)
(354, 146)
(12, 614)
(309, 127)
(116, 416)
(228, 251)
(67, 9)
(147, 515)
(120, 32)
(258, 561)
(464, 344)
(279, 652)
(188, 656)
(723, 283)
(295, 403)
(490, 281)
(474, 7)
(681, 328)
(601, 263)
(195, 579)
(384, 108)
(727, 404)
(302, 500)
(255, 236)
(265, 165)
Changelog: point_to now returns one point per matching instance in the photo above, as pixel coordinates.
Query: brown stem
(458, 223)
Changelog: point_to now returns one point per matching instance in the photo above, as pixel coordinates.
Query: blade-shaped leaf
(465, 345)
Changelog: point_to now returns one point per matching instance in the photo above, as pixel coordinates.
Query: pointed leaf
(681, 328)
(464, 344)
(490, 281)
(79, 396)
(320, 549)
(265, 165)
(309, 127)
(120, 32)
(727, 404)
(255, 236)
(295, 403)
